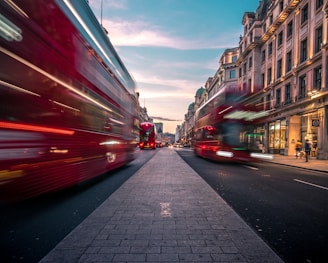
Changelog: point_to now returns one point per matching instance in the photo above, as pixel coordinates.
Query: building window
(317, 78)
(290, 29)
(303, 55)
(289, 61)
(318, 39)
(318, 4)
(280, 38)
(232, 74)
(234, 59)
(245, 67)
(270, 49)
(288, 98)
(268, 102)
(263, 56)
(271, 19)
(281, 6)
(250, 62)
(269, 76)
(262, 79)
(305, 14)
(302, 87)
(279, 68)
(278, 97)
(240, 72)
(264, 27)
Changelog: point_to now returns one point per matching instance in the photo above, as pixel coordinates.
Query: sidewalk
(312, 164)
(164, 213)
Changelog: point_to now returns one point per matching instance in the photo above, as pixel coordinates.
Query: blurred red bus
(147, 135)
(223, 127)
(68, 107)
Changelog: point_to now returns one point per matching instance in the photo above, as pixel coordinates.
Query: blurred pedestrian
(298, 148)
(307, 149)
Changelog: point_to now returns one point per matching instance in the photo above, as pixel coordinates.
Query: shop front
(310, 126)
(277, 136)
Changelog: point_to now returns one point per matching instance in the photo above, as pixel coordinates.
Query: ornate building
(282, 59)
(283, 52)
(227, 73)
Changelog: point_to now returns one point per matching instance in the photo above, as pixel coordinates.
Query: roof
(199, 92)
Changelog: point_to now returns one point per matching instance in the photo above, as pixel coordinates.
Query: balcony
(279, 20)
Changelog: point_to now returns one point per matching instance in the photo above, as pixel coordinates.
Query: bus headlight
(224, 154)
(262, 156)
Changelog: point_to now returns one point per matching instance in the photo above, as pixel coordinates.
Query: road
(287, 207)
(29, 230)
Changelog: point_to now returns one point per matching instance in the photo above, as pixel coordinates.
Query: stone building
(283, 52)
(227, 73)
(282, 59)
(187, 127)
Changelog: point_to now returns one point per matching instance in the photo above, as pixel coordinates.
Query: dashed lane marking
(251, 167)
(315, 185)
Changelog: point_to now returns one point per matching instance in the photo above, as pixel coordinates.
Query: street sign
(315, 123)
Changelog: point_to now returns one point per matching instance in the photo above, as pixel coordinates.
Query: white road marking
(315, 185)
(251, 167)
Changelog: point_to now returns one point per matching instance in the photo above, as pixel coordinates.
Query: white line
(251, 167)
(315, 185)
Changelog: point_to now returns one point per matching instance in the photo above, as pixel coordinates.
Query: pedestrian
(307, 149)
(298, 148)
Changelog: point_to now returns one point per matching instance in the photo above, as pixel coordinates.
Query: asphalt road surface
(276, 201)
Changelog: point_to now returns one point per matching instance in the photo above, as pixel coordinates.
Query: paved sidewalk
(164, 213)
(312, 164)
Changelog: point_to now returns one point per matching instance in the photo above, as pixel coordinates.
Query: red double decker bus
(224, 126)
(147, 135)
(68, 106)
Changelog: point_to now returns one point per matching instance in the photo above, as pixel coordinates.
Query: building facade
(283, 57)
(227, 73)
(283, 52)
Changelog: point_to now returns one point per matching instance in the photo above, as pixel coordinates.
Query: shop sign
(315, 123)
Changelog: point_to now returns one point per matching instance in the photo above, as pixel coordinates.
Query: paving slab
(164, 213)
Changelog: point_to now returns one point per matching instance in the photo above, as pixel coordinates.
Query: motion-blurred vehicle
(225, 129)
(147, 136)
(159, 144)
(68, 106)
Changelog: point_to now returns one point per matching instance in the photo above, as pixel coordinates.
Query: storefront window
(277, 136)
(283, 131)
(309, 130)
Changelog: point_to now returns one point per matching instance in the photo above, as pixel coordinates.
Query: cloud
(139, 33)
(163, 118)
(142, 33)
(160, 83)
(108, 4)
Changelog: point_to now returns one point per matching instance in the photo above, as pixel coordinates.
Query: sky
(171, 47)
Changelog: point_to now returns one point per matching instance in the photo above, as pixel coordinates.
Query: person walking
(298, 148)
(307, 149)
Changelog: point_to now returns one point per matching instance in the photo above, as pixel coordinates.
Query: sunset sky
(171, 47)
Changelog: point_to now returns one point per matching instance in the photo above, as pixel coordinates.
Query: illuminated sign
(315, 123)
(247, 115)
